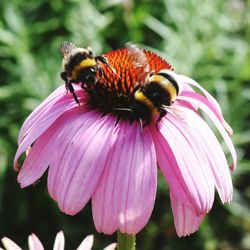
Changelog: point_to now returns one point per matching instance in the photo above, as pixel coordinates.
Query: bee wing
(66, 48)
(137, 55)
(139, 60)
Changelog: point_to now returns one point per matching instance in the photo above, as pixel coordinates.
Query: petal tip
(228, 128)
(16, 166)
(232, 167)
(22, 183)
(112, 246)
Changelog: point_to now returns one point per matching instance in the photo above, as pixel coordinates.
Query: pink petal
(79, 160)
(125, 195)
(40, 155)
(182, 165)
(63, 142)
(59, 241)
(48, 102)
(86, 243)
(44, 108)
(9, 244)
(203, 104)
(214, 158)
(39, 121)
(170, 169)
(185, 221)
(213, 104)
(181, 103)
(34, 243)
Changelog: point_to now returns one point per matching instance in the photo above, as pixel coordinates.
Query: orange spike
(129, 72)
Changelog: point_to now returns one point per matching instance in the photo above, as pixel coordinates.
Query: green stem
(125, 241)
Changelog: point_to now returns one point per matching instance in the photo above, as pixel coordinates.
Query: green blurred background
(207, 40)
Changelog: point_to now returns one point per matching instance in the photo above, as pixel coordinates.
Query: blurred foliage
(207, 40)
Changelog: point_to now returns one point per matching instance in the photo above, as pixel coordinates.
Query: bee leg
(102, 59)
(147, 122)
(105, 61)
(104, 113)
(72, 91)
(100, 70)
(117, 121)
(141, 125)
(66, 87)
(100, 78)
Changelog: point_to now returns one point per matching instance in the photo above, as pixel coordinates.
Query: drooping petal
(44, 109)
(40, 155)
(86, 243)
(9, 244)
(59, 241)
(203, 104)
(125, 195)
(209, 148)
(34, 243)
(213, 104)
(78, 163)
(40, 110)
(181, 103)
(42, 120)
(185, 220)
(183, 167)
(171, 172)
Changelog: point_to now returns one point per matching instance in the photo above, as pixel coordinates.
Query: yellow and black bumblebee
(80, 66)
(132, 83)
(153, 97)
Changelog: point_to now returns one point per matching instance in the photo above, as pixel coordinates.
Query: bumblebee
(154, 91)
(154, 96)
(80, 66)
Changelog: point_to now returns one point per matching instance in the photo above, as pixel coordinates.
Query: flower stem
(125, 241)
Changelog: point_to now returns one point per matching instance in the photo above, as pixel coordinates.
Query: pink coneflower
(100, 151)
(35, 243)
